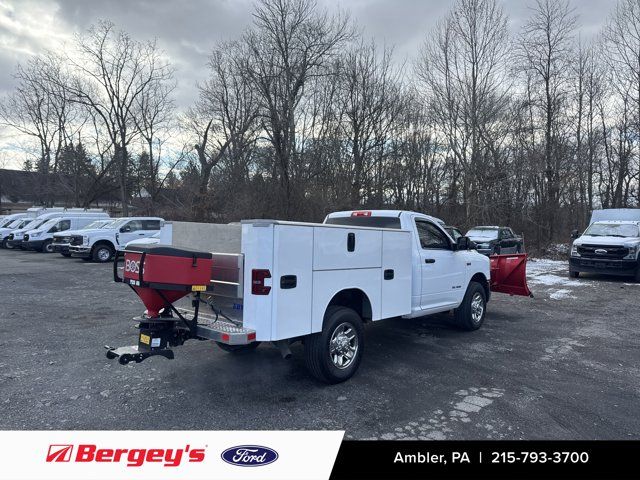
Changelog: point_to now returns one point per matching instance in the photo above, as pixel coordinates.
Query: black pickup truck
(494, 240)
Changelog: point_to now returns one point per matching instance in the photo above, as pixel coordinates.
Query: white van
(11, 223)
(14, 238)
(41, 238)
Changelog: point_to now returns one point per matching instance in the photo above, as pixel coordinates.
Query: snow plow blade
(509, 274)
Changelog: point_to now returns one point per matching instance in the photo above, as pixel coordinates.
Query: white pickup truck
(281, 282)
(610, 245)
(100, 244)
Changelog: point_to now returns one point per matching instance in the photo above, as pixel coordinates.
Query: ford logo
(601, 251)
(249, 455)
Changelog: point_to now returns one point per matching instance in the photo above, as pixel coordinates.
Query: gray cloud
(188, 30)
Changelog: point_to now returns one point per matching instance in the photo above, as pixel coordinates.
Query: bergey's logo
(59, 453)
(249, 455)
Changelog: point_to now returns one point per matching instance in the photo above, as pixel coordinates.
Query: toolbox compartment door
(346, 248)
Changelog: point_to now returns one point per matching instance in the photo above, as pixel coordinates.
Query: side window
(151, 224)
(64, 225)
(505, 233)
(430, 236)
(133, 226)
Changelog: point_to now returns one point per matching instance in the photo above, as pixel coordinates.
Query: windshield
(96, 224)
(375, 222)
(48, 224)
(489, 233)
(623, 230)
(5, 222)
(33, 224)
(118, 223)
(16, 223)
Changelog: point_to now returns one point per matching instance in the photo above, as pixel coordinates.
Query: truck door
(130, 231)
(442, 270)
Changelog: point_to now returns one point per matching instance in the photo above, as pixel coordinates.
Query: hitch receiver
(132, 354)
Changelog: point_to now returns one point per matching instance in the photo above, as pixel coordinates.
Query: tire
(102, 253)
(496, 250)
(46, 247)
(345, 326)
(473, 309)
(638, 274)
(3, 244)
(518, 248)
(239, 349)
(573, 274)
(66, 255)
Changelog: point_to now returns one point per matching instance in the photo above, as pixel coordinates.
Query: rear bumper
(605, 266)
(80, 251)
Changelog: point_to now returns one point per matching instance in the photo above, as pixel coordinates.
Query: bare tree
(545, 50)
(113, 75)
(291, 41)
(223, 121)
(463, 69)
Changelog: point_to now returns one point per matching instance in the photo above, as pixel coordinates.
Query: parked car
(101, 244)
(61, 241)
(494, 240)
(609, 245)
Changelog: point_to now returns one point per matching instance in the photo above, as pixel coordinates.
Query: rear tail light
(258, 277)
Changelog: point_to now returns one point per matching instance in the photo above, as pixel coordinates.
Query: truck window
(151, 224)
(430, 236)
(374, 222)
(133, 226)
(64, 225)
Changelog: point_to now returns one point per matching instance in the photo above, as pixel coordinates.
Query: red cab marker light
(361, 213)
(251, 337)
(225, 337)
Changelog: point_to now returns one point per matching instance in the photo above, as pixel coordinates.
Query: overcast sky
(187, 29)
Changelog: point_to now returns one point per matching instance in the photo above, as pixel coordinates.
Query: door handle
(429, 260)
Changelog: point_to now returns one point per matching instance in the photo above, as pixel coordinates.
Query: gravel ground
(564, 365)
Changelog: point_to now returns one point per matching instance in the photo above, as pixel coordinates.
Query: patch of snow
(561, 293)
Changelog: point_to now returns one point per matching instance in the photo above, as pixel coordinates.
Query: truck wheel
(638, 275)
(46, 247)
(102, 253)
(239, 349)
(67, 255)
(496, 250)
(470, 314)
(573, 274)
(333, 355)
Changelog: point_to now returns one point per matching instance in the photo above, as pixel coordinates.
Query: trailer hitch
(132, 354)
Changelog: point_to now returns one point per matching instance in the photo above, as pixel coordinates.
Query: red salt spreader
(160, 276)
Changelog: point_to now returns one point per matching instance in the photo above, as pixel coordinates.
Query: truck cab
(440, 269)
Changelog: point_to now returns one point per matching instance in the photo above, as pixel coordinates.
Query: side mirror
(575, 234)
(463, 243)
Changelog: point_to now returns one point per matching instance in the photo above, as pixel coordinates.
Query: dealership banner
(299, 455)
(157, 455)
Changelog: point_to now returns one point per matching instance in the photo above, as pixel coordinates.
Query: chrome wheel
(343, 345)
(104, 254)
(477, 307)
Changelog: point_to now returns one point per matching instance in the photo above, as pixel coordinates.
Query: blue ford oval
(249, 455)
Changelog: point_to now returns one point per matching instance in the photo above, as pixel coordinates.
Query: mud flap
(509, 274)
